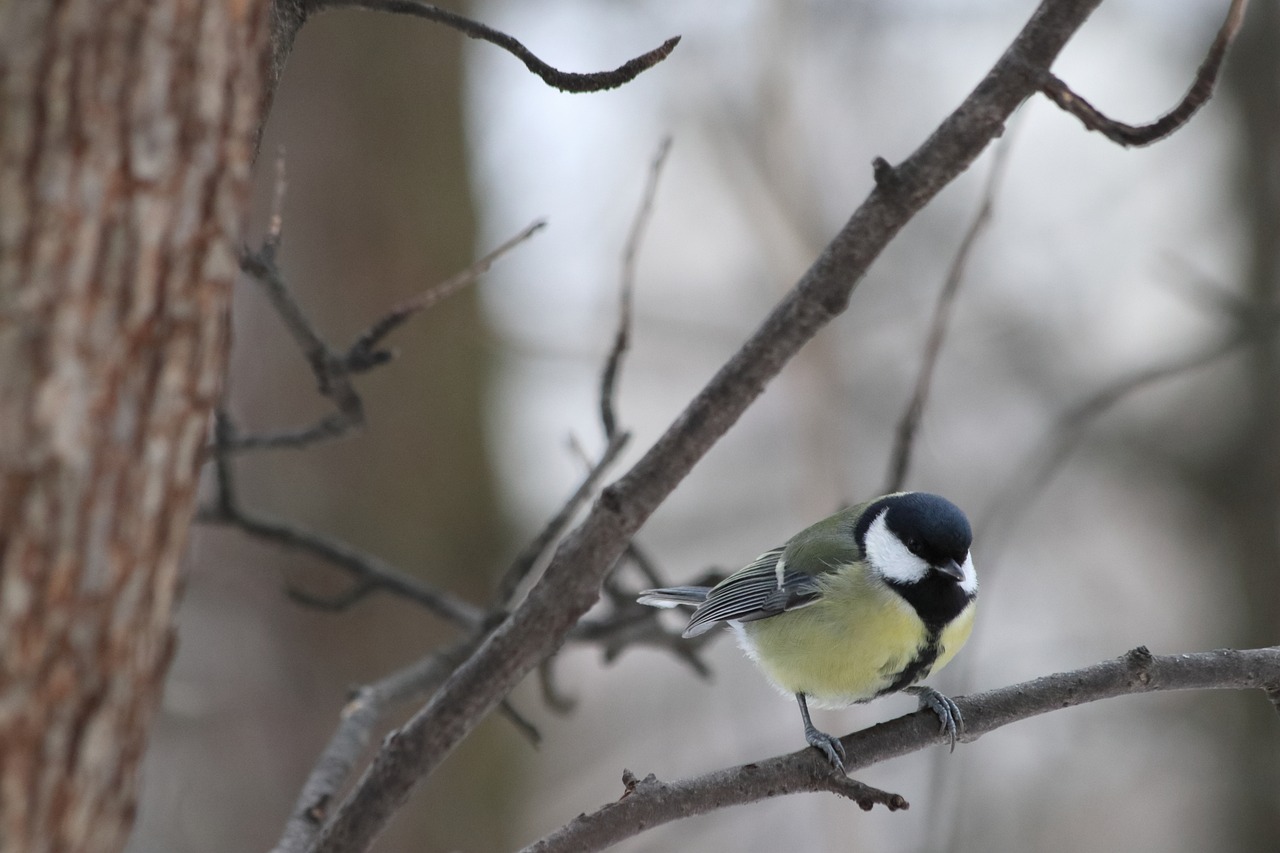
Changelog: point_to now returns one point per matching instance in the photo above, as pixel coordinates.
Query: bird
(865, 603)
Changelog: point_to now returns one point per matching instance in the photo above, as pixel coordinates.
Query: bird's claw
(828, 745)
(952, 721)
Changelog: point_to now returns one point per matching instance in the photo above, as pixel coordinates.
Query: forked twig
(333, 369)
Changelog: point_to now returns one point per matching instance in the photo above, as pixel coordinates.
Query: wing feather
(762, 589)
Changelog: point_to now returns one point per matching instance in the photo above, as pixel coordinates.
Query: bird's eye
(913, 544)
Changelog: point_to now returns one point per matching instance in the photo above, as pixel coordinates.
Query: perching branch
(571, 583)
(1197, 96)
(649, 803)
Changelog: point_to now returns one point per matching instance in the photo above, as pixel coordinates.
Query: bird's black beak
(952, 569)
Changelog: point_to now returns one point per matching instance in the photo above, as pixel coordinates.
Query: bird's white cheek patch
(970, 581)
(888, 556)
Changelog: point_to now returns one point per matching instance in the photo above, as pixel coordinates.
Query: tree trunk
(128, 132)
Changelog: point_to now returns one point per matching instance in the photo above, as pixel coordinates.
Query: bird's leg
(948, 712)
(823, 742)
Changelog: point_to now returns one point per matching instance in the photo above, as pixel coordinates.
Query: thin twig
(522, 723)
(909, 423)
(366, 570)
(365, 346)
(1197, 96)
(359, 719)
(538, 551)
(625, 630)
(554, 698)
(565, 81)
(651, 802)
(622, 338)
(332, 368)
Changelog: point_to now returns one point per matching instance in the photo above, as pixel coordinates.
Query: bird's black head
(932, 527)
(919, 544)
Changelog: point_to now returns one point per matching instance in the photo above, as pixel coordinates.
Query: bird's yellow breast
(850, 645)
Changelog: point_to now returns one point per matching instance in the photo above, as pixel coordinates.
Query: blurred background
(1152, 519)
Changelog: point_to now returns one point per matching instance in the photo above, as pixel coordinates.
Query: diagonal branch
(1197, 96)
(649, 803)
(565, 81)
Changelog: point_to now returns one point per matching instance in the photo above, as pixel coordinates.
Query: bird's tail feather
(674, 596)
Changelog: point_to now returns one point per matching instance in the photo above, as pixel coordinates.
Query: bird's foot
(828, 745)
(947, 710)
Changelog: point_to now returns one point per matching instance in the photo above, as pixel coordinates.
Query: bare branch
(365, 347)
(649, 803)
(634, 555)
(555, 698)
(333, 369)
(357, 592)
(622, 338)
(565, 81)
(1197, 96)
(536, 551)
(368, 571)
(629, 628)
(571, 582)
(351, 740)
(909, 423)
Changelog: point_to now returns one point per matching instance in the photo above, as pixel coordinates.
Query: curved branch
(650, 802)
(1197, 96)
(565, 81)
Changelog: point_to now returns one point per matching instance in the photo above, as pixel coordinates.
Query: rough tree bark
(128, 131)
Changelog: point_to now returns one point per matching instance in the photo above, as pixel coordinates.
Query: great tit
(862, 604)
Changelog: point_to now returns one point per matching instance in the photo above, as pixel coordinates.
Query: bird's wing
(760, 590)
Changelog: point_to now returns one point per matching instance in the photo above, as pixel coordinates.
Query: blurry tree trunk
(128, 132)
(1246, 480)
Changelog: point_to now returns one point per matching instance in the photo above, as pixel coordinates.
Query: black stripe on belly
(937, 600)
(920, 665)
